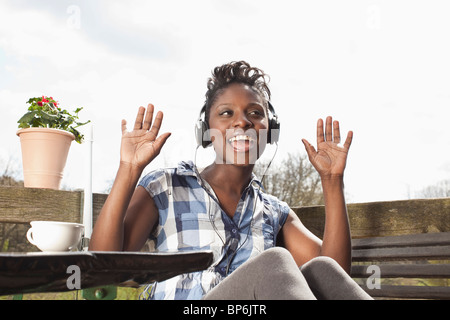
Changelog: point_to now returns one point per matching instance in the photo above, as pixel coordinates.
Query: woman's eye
(256, 113)
(226, 113)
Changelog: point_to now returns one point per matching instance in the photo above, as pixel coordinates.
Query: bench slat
(427, 246)
(410, 292)
(405, 271)
(414, 240)
(405, 253)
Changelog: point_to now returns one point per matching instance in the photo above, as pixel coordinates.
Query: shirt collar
(188, 168)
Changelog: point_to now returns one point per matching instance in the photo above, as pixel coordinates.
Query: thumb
(310, 150)
(124, 126)
(161, 140)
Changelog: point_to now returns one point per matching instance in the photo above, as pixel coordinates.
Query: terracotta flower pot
(44, 155)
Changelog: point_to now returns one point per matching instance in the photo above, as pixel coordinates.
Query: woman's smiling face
(238, 125)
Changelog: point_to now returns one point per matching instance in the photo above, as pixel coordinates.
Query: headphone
(204, 139)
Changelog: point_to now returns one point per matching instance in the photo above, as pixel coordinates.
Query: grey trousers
(274, 275)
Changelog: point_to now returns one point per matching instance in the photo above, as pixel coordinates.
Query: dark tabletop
(48, 272)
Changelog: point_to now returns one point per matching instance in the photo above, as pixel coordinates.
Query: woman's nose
(241, 121)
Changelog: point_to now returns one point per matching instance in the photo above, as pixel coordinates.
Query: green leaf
(79, 124)
(48, 117)
(27, 117)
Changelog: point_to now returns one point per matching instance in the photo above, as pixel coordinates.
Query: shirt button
(234, 231)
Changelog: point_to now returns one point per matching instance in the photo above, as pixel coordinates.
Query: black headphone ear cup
(198, 132)
(205, 137)
(273, 134)
(202, 134)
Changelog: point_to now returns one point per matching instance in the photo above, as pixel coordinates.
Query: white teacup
(55, 235)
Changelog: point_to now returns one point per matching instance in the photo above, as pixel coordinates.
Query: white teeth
(240, 138)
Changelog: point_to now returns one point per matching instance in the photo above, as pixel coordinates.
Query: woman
(223, 208)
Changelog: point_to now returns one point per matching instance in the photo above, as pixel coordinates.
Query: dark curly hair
(236, 72)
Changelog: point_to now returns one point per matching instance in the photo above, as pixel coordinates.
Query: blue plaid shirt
(190, 218)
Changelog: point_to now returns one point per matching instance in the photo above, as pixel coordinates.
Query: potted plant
(46, 132)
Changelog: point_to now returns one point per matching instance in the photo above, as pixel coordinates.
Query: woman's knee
(329, 281)
(277, 256)
(322, 267)
(273, 261)
(321, 262)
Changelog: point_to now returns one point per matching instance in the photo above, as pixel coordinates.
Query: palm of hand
(330, 158)
(138, 148)
(141, 145)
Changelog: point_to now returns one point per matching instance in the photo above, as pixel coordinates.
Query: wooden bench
(406, 243)
(424, 256)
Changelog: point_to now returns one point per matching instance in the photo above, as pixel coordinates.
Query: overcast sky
(380, 67)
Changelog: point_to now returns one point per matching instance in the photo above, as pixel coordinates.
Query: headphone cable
(211, 215)
(253, 211)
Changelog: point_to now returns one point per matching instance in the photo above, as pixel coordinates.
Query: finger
(139, 118)
(328, 129)
(156, 124)
(348, 140)
(336, 132)
(124, 126)
(148, 117)
(320, 137)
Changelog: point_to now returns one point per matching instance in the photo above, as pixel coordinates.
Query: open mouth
(242, 142)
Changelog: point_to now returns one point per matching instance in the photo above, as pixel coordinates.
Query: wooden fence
(22, 205)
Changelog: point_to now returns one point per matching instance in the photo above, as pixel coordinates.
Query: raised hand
(141, 145)
(330, 158)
